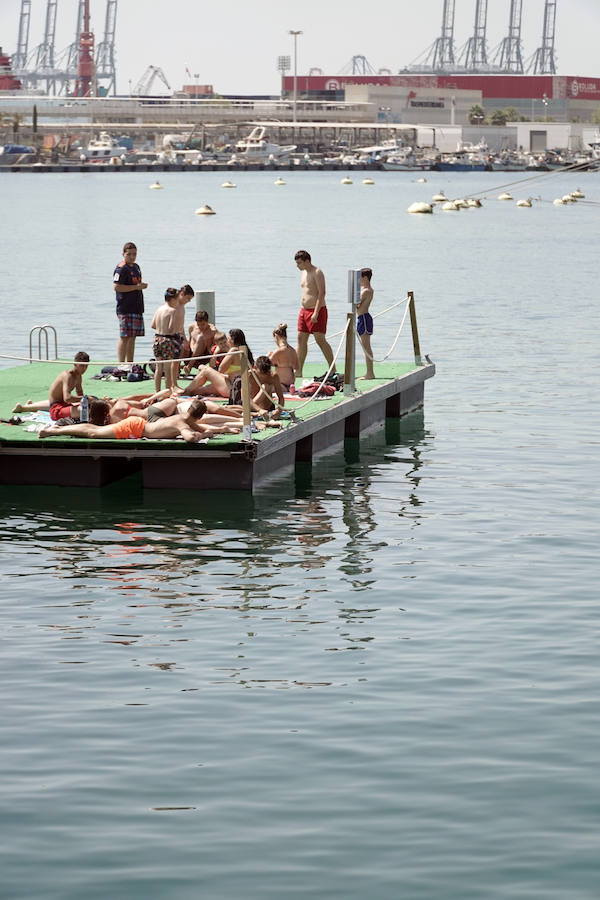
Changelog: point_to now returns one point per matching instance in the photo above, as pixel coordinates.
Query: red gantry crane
(86, 69)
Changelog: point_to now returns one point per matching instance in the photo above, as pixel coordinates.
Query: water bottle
(84, 409)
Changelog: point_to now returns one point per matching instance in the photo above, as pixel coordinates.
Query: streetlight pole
(295, 36)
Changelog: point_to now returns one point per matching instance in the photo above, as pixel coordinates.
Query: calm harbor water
(378, 677)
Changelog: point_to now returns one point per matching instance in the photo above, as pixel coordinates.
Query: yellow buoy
(439, 198)
(157, 186)
(474, 203)
(346, 180)
(451, 206)
(505, 196)
(577, 195)
(228, 184)
(524, 202)
(421, 180)
(568, 199)
(205, 210)
(420, 208)
(279, 181)
(559, 201)
(368, 181)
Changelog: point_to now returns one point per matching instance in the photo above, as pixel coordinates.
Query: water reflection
(285, 554)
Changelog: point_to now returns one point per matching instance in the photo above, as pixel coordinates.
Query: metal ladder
(45, 331)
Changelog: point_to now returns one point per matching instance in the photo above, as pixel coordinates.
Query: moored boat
(104, 148)
(13, 154)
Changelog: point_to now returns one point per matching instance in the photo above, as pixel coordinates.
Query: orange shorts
(133, 427)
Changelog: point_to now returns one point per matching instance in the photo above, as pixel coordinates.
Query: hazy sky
(234, 46)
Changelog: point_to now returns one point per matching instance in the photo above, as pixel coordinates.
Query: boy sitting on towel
(66, 390)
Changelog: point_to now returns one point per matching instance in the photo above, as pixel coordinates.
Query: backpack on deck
(235, 391)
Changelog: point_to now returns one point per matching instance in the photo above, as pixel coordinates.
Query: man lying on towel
(186, 425)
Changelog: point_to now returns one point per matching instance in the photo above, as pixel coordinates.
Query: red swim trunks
(60, 411)
(305, 324)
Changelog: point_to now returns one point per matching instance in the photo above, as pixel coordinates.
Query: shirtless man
(65, 391)
(160, 407)
(313, 314)
(186, 425)
(168, 340)
(186, 293)
(201, 339)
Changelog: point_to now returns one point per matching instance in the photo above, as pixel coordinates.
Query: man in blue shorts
(128, 285)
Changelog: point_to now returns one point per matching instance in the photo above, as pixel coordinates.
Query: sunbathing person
(187, 425)
(65, 392)
(264, 385)
(284, 358)
(109, 412)
(211, 382)
(197, 348)
(219, 350)
(178, 397)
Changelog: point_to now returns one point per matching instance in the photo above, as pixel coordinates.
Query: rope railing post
(350, 361)
(415, 331)
(246, 412)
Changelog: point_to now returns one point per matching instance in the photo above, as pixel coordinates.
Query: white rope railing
(111, 362)
(395, 341)
(324, 379)
(376, 315)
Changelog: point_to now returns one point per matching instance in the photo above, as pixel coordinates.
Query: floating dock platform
(225, 462)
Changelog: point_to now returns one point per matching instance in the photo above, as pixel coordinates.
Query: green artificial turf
(31, 382)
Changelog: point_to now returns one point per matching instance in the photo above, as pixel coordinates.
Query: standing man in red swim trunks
(313, 314)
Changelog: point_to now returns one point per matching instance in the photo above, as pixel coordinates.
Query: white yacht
(103, 148)
(258, 147)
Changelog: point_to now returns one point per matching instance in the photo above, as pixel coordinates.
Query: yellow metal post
(247, 417)
(349, 362)
(415, 330)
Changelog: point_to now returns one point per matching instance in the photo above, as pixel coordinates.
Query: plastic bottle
(84, 409)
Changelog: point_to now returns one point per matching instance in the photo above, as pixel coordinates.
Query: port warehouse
(411, 97)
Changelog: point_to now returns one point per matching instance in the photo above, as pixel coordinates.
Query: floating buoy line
(576, 196)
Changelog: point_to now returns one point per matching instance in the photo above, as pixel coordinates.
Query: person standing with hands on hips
(128, 286)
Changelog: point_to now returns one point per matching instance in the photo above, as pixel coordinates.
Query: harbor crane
(20, 56)
(508, 57)
(105, 51)
(86, 68)
(143, 86)
(475, 54)
(40, 64)
(443, 48)
(544, 62)
(358, 65)
(69, 58)
(439, 57)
